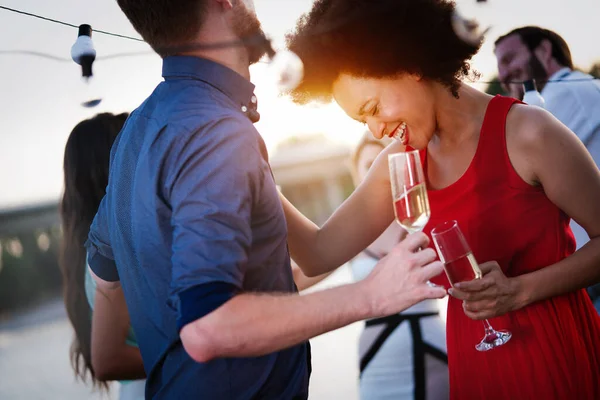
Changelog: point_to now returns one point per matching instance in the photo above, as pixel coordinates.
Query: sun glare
(282, 119)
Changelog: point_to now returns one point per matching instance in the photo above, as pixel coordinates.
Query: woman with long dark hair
(104, 346)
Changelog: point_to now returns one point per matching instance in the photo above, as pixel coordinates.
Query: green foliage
(495, 87)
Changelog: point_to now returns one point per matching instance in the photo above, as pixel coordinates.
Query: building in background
(29, 243)
(313, 173)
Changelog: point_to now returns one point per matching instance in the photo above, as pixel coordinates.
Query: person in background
(532, 52)
(402, 353)
(104, 346)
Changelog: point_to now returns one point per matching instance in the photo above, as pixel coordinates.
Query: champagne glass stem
(487, 326)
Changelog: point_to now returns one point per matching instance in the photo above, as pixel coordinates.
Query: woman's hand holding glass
(491, 296)
(462, 268)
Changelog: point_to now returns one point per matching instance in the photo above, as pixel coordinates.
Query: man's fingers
(432, 270)
(435, 292)
(415, 241)
(425, 257)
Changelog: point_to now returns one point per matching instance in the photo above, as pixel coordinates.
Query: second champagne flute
(460, 266)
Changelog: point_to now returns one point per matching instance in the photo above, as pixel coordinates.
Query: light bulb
(287, 69)
(84, 54)
(83, 51)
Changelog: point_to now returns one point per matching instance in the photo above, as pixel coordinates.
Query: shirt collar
(224, 79)
(560, 74)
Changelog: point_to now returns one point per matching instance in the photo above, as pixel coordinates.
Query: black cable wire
(148, 53)
(68, 60)
(550, 81)
(56, 21)
(129, 54)
(254, 39)
(36, 54)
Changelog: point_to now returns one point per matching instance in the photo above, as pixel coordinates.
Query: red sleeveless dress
(555, 349)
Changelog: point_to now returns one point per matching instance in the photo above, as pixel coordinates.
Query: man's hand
(400, 279)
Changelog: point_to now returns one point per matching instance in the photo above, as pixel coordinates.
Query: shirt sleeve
(212, 190)
(567, 107)
(100, 256)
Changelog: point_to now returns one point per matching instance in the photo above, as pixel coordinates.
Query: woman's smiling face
(400, 107)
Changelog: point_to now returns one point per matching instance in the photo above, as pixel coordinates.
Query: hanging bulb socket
(285, 66)
(83, 51)
(84, 54)
(468, 30)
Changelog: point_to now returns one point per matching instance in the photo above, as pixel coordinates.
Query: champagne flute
(411, 203)
(460, 266)
(409, 192)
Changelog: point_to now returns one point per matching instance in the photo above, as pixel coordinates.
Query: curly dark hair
(378, 39)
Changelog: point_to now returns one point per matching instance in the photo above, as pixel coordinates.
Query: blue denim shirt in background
(191, 217)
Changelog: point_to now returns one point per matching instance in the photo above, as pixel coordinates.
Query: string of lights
(545, 82)
(145, 53)
(69, 60)
(56, 21)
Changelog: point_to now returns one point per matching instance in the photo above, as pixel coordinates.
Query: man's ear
(544, 52)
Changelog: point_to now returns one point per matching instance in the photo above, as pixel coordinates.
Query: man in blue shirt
(193, 230)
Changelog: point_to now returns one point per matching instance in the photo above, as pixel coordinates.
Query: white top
(577, 105)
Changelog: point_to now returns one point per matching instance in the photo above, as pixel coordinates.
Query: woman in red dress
(512, 175)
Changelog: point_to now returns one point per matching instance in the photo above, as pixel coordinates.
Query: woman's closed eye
(373, 112)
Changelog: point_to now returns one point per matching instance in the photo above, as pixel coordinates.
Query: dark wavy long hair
(85, 167)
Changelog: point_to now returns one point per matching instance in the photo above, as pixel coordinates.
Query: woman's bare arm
(350, 229)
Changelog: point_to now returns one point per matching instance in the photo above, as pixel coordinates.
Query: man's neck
(552, 68)
(233, 57)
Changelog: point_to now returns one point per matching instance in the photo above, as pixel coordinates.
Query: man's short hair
(165, 23)
(532, 36)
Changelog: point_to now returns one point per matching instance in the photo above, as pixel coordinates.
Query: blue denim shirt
(190, 218)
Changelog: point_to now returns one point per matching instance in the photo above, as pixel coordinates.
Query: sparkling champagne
(412, 208)
(463, 269)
